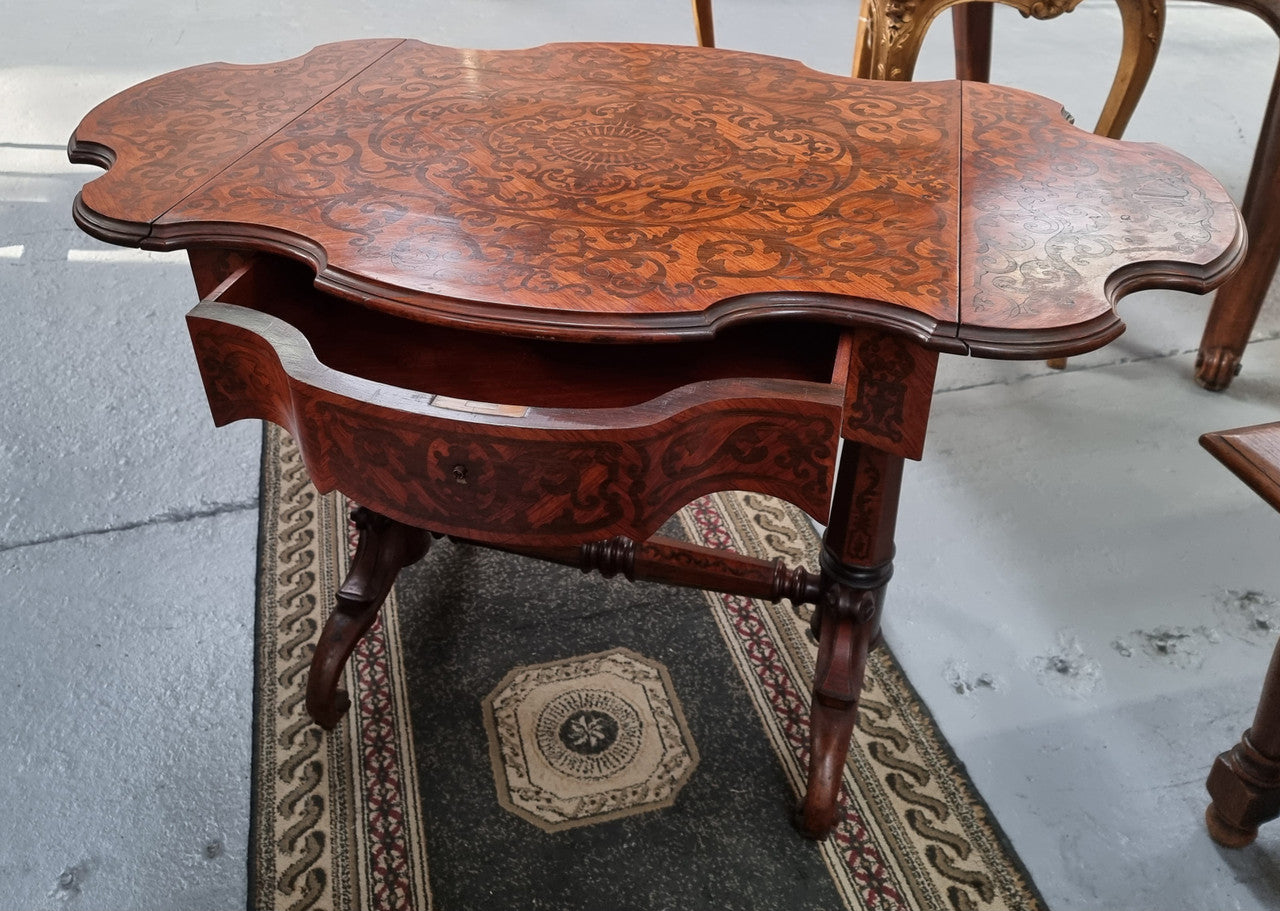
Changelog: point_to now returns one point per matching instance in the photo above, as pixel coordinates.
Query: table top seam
(212, 179)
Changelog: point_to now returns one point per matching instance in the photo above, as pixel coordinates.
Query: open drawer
(515, 440)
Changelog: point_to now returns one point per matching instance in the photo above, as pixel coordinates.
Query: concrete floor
(1058, 521)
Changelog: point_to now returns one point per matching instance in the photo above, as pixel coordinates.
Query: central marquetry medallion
(618, 161)
(605, 144)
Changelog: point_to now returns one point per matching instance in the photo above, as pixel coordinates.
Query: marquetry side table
(542, 299)
(1244, 783)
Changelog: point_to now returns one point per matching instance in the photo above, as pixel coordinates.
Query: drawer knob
(460, 473)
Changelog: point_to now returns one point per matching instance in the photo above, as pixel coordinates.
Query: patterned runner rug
(525, 736)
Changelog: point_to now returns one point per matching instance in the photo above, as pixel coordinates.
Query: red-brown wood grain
(559, 293)
(497, 368)
(674, 562)
(1253, 454)
(888, 393)
(169, 136)
(521, 473)
(611, 192)
(1051, 239)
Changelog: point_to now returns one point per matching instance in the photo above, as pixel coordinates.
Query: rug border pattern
(309, 784)
(957, 827)
(357, 858)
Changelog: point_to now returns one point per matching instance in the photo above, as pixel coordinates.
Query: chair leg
(971, 28)
(888, 44)
(1237, 304)
(1244, 783)
(702, 23)
(1143, 28)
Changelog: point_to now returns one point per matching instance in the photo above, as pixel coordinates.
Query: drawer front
(562, 487)
(551, 477)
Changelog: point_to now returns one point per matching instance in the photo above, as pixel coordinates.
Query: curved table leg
(846, 623)
(857, 561)
(1245, 781)
(384, 548)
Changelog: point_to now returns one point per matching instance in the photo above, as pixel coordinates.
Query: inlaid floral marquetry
(542, 299)
(588, 191)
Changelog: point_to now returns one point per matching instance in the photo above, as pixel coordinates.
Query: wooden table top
(1253, 454)
(638, 192)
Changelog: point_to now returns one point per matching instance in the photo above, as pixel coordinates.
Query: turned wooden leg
(385, 546)
(1244, 783)
(856, 566)
(1236, 305)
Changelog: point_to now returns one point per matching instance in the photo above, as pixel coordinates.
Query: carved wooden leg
(856, 565)
(1143, 29)
(1245, 781)
(888, 42)
(847, 622)
(1237, 303)
(384, 548)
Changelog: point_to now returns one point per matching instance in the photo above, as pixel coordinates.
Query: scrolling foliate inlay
(605, 174)
(170, 135)
(502, 485)
(1048, 240)
(633, 191)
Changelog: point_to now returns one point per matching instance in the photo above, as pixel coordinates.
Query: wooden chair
(1244, 783)
(890, 36)
(890, 33)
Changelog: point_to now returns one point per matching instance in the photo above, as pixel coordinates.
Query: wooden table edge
(1232, 448)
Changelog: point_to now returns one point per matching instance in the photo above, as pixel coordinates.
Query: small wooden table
(541, 299)
(1244, 783)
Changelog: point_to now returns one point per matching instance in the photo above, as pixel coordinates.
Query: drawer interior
(482, 366)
